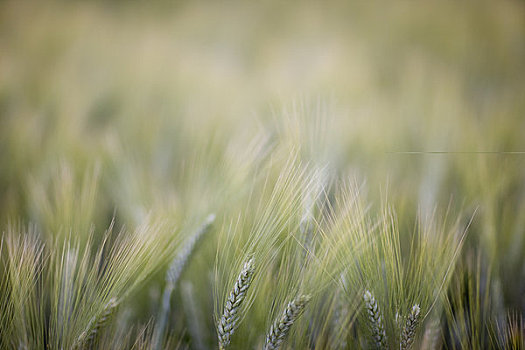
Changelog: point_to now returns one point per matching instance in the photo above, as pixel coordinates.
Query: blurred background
(153, 85)
(147, 100)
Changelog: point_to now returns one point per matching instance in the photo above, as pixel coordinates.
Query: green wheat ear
(182, 258)
(280, 328)
(172, 277)
(409, 330)
(228, 322)
(375, 319)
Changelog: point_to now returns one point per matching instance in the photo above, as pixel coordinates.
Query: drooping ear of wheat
(182, 258)
(409, 330)
(281, 327)
(375, 320)
(228, 321)
(173, 275)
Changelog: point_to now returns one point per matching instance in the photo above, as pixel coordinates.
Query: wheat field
(262, 175)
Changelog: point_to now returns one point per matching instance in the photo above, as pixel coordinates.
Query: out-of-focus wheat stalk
(195, 327)
(431, 337)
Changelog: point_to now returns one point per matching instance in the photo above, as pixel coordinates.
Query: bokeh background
(148, 100)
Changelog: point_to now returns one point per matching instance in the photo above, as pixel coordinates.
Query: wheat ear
(409, 331)
(173, 275)
(228, 321)
(180, 261)
(376, 321)
(281, 327)
(87, 339)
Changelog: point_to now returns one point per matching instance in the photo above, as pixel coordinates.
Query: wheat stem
(431, 337)
(195, 327)
(339, 321)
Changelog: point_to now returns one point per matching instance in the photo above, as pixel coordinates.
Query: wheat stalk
(195, 327)
(281, 327)
(87, 339)
(431, 336)
(339, 321)
(409, 331)
(376, 321)
(228, 322)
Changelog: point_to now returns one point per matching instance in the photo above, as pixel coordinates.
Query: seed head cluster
(281, 327)
(228, 322)
(409, 331)
(375, 321)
